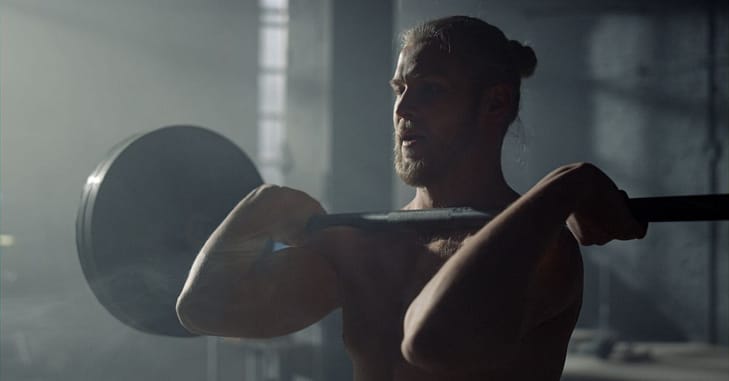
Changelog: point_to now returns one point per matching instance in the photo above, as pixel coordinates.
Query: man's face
(435, 114)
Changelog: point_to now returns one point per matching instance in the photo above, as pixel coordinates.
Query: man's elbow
(189, 316)
(422, 355)
(455, 355)
(202, 317)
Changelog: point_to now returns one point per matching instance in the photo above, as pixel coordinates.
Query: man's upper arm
(296, 287)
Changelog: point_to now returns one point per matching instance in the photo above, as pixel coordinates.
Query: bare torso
(381, 275)
(522, 273)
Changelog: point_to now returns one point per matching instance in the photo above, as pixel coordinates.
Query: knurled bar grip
(648, 209)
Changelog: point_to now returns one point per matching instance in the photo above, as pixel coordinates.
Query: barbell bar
(147, 209)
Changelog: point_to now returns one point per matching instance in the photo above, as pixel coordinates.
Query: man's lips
(411, 140)
(411, 136)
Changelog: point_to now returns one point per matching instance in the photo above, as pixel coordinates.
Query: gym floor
(648, 361)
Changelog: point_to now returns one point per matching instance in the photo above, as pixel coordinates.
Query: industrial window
(273, 48)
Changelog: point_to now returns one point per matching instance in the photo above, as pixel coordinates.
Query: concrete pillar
(362, 39)
(361, 139)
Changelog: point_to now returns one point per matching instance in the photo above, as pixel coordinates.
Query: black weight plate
(147, 210)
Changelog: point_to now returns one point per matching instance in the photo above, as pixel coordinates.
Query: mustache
(407, 128)
(405, 125)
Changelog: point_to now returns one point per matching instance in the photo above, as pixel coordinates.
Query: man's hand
(601, 211)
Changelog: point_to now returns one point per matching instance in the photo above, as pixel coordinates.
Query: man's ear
(497, 102)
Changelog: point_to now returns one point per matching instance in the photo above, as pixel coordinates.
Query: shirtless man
(496, 303)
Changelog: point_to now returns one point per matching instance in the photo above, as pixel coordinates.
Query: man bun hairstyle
(478, 44)
(483, 48)
(524, 58)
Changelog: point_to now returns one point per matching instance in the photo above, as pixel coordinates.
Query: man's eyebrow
(416, 76)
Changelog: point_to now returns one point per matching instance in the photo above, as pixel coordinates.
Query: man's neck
(482, 190)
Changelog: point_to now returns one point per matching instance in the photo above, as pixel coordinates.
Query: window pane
(272, 93)
(274, 44)
(270, 138)
(274, 4)
(275, 18)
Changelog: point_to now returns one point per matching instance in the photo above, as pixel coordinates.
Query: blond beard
(434, 165)
(412, 172)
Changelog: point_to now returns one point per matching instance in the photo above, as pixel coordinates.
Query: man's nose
(406, 106)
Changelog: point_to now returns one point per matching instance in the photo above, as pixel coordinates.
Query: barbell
(150, 205)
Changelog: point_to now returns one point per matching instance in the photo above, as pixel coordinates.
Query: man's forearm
(217, 274)
(235, 289)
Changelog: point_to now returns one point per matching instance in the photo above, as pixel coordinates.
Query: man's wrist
(569, 187)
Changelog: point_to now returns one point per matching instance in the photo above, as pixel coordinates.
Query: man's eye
(432, 89)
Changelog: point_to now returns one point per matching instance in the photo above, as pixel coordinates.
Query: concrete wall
(77, 77)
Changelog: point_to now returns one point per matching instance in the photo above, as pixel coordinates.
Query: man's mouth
(410, 141)
(411, 138)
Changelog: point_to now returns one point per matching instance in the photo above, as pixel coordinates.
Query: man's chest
(382, 284)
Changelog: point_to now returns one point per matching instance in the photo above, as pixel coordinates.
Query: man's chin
(413, 173)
